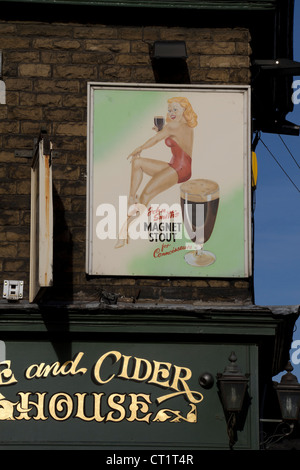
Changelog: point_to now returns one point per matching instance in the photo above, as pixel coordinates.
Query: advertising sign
(168, 181)
(117, 395)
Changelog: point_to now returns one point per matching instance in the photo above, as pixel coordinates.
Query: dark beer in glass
(199, 205)
(159, 122)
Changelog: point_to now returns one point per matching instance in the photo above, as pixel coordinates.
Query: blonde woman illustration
(178, 134)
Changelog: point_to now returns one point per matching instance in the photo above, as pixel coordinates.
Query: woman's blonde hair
(189, 113)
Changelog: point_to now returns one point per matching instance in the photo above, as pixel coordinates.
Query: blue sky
(277, 220)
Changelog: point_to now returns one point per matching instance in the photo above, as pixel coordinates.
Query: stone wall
(46, 67)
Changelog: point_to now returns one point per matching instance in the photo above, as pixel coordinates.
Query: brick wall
(46, 68)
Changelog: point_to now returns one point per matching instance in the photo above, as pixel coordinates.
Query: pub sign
(116, 395)
(168, 181)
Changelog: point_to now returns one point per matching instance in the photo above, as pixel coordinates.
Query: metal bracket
(13, 290)
(30, 154)
(280, 66)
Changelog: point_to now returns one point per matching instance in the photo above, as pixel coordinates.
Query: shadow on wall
(61, 293)
(62, 289)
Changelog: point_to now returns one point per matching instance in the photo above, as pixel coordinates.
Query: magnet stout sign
(168, 181)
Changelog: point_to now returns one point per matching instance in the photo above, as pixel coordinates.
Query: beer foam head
(199, 190)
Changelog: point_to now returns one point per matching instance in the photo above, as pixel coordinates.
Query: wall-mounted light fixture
(272, 95)
(169, 50)
(288, 394)
(232, 390)
(169, 62)
(288, 397)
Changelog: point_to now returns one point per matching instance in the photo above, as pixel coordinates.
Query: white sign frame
(244, 127)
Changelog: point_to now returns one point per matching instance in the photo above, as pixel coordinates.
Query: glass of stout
(199, 205)
(159, 122)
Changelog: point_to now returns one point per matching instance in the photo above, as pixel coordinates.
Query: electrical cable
(280, 166)
(289, 151)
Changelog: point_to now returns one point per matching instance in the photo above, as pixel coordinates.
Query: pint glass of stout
(159, 122)
(199, 205)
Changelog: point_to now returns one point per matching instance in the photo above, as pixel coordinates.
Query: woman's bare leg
(139, 166)
(161, 181)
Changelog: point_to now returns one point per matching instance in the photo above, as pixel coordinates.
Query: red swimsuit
(180, 161)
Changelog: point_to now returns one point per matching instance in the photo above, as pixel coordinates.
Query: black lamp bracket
(278, 66)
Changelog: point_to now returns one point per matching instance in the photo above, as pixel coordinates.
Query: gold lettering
(62, 405)
(97, 407)
(99, 363)
(124, 370)
(24, 406)
(177, 378)
(42, 370)
(182, 380)
(141, 406)
(164, 373)
(138, 363)
(89, 406)
(7, 374)
(189, 394)
(72, 370)
(120, 398)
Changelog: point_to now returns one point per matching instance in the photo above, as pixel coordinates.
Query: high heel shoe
(123, 236)
(121, 243)
(135, 210)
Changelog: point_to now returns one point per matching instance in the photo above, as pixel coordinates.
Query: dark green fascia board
(237, 5)
(146, 318)
(154, 322)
